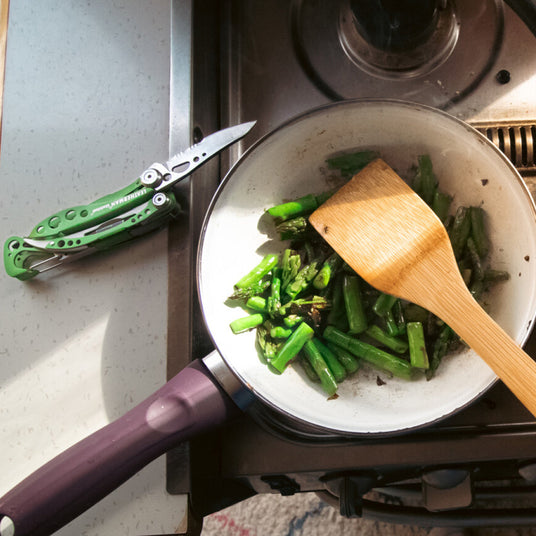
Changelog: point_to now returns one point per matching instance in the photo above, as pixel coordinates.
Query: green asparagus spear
(337, 314)
(417, 347)
(478, 231)
(346, 359)
(352, 163)
(355, 312)
(292, 346)
(303, 279)
(380, 359)
(393, 329)
(459, 232)
(294, 228)
(307, 367)
(399, 317)
(290, 265)
(477, 272)
(279, 332)
(254, 276)
(425, 182)
(247, 322)
(319, 365)
(336, 368)
(257, 303)
(298, 207)
(273, 302)
(397, 345)
(304, 306)
(441, 347)
(292, 320)
(268, 347)
(326, 272)
(291, 209)
(255, 290)
(384, 304)
(383, 307)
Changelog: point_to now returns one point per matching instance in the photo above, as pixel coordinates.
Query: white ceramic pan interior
(290, 162)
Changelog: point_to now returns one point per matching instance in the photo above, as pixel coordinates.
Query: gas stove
(269, 61)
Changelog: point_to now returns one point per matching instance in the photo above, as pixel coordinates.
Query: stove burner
(395, 25)
(393, 57)
(440, 68)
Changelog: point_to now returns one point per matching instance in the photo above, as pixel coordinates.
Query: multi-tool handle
(77, 231)
(26, 257)
(71, 220)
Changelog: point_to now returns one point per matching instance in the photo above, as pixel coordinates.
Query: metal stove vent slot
(516, 141)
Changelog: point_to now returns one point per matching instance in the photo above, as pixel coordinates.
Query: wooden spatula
(392, 239)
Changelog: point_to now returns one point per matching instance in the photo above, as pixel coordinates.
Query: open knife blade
(185, 162)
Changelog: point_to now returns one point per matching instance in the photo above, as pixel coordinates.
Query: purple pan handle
(188, 404)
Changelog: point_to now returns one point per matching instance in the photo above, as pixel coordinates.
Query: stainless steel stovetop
(270, 61)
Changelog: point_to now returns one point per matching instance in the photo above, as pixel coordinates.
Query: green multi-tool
(144, 205)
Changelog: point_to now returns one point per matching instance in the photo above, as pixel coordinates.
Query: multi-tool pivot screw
(160, 200)
(151, 178)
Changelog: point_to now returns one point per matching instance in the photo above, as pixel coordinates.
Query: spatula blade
(385, 232)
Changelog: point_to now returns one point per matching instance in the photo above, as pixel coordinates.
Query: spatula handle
(511, 364)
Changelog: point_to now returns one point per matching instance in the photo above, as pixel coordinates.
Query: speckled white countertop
(86, 109)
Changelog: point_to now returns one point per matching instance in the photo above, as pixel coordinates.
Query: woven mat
(305, 514)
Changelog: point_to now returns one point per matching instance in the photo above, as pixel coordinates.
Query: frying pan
(288, 163)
